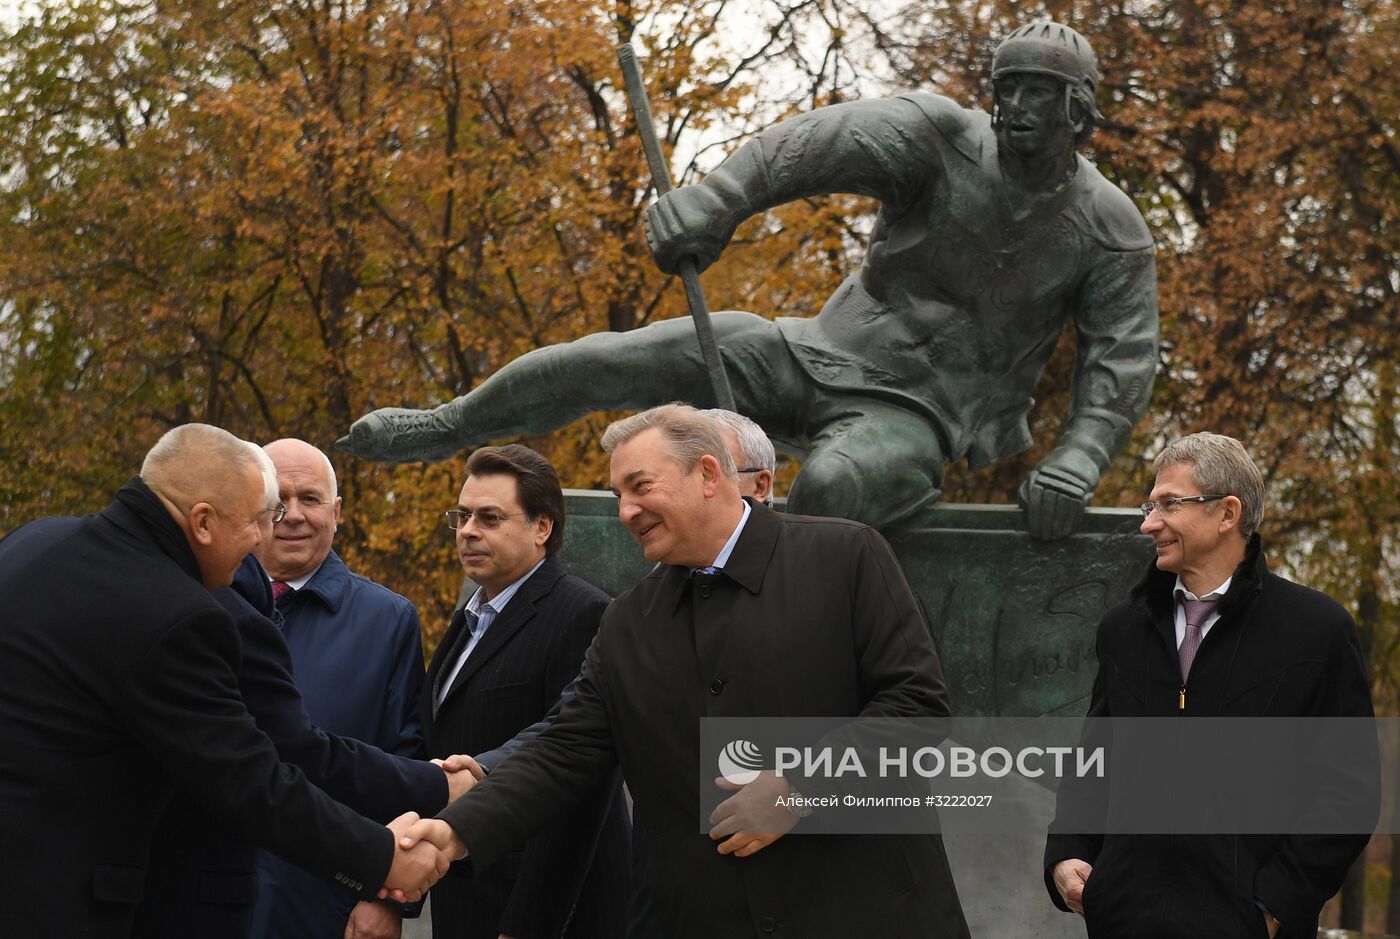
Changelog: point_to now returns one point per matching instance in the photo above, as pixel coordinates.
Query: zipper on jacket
(1181, 698)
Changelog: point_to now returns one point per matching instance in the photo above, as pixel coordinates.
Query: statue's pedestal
(1014, 622)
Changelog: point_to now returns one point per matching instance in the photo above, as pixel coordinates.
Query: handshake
(424, 848)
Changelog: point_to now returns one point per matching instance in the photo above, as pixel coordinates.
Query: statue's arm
(1117, 357)
(885, 148)
(1116, 322)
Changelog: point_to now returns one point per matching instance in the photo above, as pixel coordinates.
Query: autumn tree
(277, 216)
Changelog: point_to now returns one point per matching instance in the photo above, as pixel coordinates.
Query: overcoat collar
(1154, 592)
(748, 562)
(330, 584)
(139, 511)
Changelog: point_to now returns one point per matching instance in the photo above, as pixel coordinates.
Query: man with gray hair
(121, 682)
(752, 451)
(736, 584)
(1210, 631)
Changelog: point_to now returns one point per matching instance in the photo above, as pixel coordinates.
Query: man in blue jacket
(357, 655)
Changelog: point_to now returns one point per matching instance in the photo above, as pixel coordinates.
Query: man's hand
(752, 818)
(437, 833)
(1271, 924)
(690, 222)
(1054, 500)
(463, 772)
(418, 863)
(371, 920)
(1070, 877)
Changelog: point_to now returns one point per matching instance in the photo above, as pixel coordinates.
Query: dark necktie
(469, 623)
(1197, 612)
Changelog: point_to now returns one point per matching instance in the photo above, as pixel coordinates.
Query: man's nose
(627, 510)
(1153, 522)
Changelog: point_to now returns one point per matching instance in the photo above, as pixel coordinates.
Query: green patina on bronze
(993, 235)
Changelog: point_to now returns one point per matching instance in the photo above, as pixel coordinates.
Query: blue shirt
(486, 612)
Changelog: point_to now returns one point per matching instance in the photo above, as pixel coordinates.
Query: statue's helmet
(1048, 48)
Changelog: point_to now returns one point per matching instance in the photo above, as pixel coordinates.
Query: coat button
(767, 924)
(705, 591)
(717, 686)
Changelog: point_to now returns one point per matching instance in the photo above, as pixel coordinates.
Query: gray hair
(754, 445)
(1220, 465)
(269, 472)
(196, 463)
(689, 435)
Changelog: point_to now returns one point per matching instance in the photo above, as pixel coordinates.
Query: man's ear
(201, 523)
(762, 486)
(544, 527)
(1231, 513)
(710, 474)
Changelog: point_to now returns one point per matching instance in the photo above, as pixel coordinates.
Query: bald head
(306, 486)
(199, 462)
(289, 449)
(215, 487)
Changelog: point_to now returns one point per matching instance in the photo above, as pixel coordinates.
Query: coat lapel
(518, 612)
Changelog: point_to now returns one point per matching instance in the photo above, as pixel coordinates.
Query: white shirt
(1181, 593)
(722, 558)
(486, 612)
(299, 582)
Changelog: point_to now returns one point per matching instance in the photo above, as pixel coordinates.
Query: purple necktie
(1197, 612)
(280, 589)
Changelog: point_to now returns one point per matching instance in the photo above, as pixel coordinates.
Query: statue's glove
(1056, 494)
(692, 221)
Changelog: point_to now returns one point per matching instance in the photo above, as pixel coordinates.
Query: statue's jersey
(962, 296)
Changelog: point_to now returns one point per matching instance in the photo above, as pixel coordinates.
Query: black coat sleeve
(376, 784)
(557, 859)
(552, 774)
(182, 700)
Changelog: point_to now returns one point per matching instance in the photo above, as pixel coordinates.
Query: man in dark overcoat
(1211, 632)
(121, 682)
(748, 612)
(203, 875)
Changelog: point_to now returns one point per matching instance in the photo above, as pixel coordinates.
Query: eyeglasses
(485, 518)
(752, 469)
(278, 512)
(1173, 505)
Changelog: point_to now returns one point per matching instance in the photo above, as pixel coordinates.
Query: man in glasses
(752, 451)
(506, 656)
(121, 681)
(1210, 632)
(357, 652)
